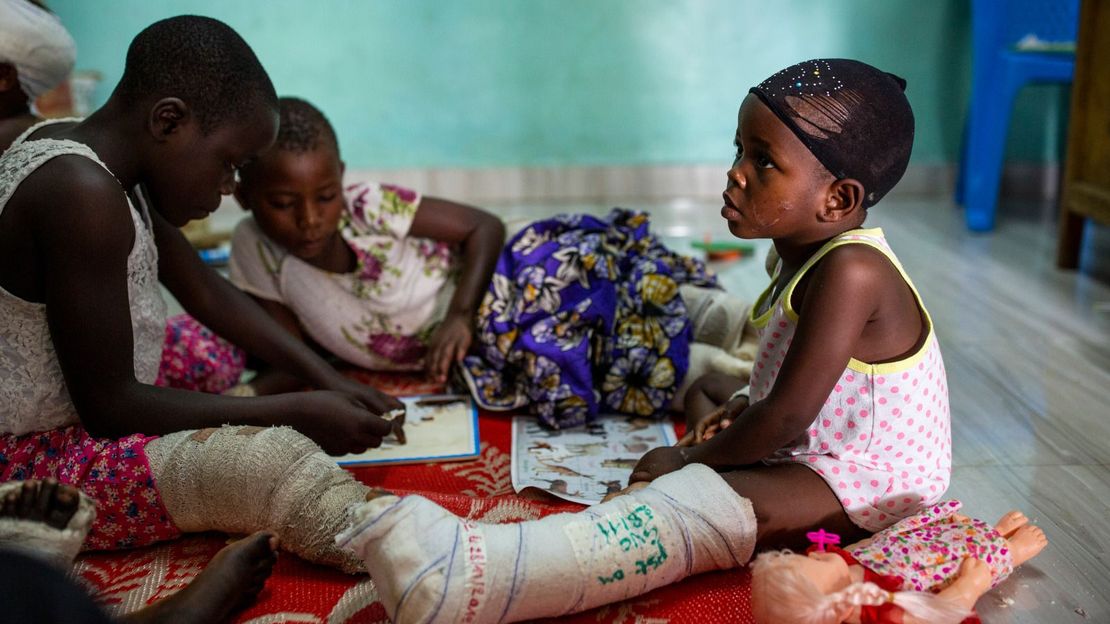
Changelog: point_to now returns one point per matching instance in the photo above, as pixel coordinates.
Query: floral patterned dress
(925, 550)
(379, 316)
(583, 315)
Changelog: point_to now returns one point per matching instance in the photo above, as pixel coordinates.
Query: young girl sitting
(847, 426)
(89, 217)
(386, 279)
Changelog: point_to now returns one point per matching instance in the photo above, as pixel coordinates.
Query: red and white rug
(480, 490)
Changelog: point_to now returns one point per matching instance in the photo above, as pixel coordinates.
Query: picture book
(437, 428)
(585, 463)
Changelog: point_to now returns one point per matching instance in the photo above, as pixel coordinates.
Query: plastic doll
(931, 567)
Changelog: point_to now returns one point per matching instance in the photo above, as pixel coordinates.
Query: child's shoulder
(68, 185)
(863, 266)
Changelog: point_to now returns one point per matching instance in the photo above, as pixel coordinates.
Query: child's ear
(844, 200)
(167, 117)
(342, 168)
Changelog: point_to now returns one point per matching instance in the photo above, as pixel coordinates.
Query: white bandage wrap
(244, 479)
(431, 566)
(716, 316)
(36, 538)
(35, 42)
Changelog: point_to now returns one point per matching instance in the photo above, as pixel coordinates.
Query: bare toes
(28, 497)
(63, 505)
(1027, 542)
(1011, 522)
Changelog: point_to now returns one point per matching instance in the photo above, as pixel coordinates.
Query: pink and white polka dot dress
(883, 439)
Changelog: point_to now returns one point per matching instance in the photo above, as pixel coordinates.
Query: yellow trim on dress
(884, 368)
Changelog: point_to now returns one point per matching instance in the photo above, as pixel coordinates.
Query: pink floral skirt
(115, 473)
(195, 358)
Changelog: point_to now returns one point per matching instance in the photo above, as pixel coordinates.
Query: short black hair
(200, 60)
(303, 127)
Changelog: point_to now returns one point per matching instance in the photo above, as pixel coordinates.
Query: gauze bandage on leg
(244, 479)
(431, 566)
(38, 539)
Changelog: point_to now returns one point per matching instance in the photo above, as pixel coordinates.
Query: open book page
(438, 428)
(585, 463)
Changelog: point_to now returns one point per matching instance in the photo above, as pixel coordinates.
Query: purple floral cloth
(582, 316)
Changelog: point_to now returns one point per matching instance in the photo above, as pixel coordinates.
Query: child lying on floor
(848, 423)
(89, 217)
(387, 279)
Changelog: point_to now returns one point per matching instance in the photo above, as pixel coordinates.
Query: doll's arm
(973, 580)
(480, 236)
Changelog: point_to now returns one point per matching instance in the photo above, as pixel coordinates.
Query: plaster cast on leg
(38, 539)
(431, 566)
(245, 479)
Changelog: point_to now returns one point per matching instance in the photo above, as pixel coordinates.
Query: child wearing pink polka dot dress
(881, 440)
(845, 424)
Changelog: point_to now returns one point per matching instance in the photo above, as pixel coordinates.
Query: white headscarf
(35, 42)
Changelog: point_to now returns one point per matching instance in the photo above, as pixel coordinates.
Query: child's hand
(448, 345)
(339, 422)
(713, 422)
(375, 400)
(658, 462)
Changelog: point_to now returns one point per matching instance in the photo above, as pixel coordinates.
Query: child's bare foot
(45, 501)
(230, 582)
(1011, 522)
(1026, 542)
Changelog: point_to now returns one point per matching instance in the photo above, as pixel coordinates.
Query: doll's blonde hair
(783, 595)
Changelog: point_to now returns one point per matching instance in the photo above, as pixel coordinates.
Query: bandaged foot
(45, 519)
(431, 566)
(246, 479)
(717, 317)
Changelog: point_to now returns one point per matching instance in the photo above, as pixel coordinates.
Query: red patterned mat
(480, 489)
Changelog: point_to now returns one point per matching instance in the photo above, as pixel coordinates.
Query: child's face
(189, 177)
(297, 198)
(775, 185)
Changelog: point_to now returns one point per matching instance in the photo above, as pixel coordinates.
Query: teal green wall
(485, 83)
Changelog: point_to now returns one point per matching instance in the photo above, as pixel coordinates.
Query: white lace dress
(32, 389)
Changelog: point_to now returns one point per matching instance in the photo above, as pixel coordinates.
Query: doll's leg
(45, 519)
(1012, 521)
(243, 479)
(431, 566)
(1026, 542)
(784, 520)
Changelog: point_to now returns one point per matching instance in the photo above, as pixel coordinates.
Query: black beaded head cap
(853, 117)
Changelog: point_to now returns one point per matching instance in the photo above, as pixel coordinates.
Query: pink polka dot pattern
(888, 426)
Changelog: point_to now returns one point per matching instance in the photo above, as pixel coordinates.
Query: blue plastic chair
(999, 70)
